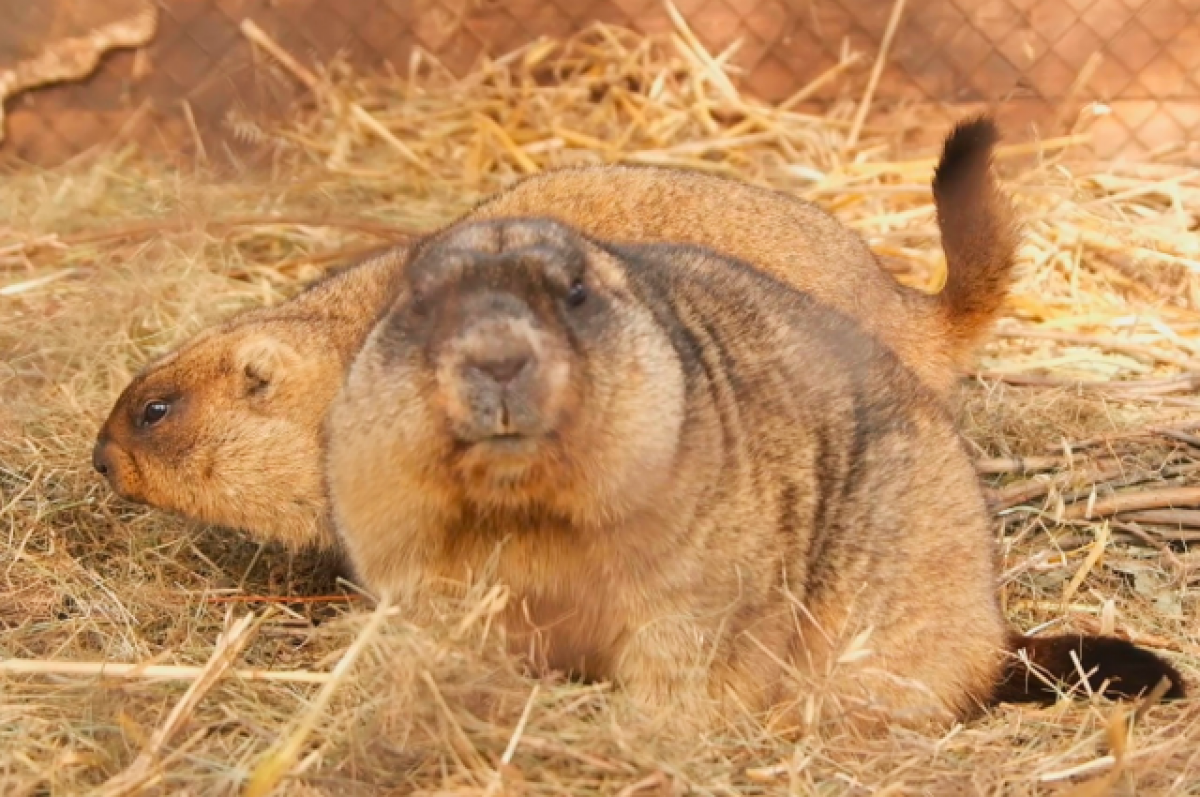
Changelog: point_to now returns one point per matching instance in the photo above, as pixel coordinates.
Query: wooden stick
(1022, 492)
(113, 669)
(1141, 499)
(992, 466)
(860, 115)
(1131, 478)
(1169, 517)
(1157, 387)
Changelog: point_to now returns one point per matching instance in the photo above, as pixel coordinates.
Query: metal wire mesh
(1035, 61)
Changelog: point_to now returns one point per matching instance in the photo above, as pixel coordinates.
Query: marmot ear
(264, 361)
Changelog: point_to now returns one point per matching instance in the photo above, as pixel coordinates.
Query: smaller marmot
(694, 480)
(225, 429)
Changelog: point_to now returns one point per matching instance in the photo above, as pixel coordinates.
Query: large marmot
(225, 428)
(693, 479)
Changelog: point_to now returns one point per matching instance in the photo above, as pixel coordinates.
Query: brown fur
(696, 482)
(228, 455)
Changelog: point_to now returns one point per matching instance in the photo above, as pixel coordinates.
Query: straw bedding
(244, 665)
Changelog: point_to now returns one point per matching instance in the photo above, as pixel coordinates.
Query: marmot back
(694, 480)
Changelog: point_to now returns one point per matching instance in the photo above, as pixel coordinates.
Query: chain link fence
(1036, 62)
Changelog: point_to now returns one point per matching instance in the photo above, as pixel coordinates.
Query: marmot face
(226, 431)
(498, 339)
(502, 344)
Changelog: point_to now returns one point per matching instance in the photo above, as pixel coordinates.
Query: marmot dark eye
(154, 412)
(577, 294)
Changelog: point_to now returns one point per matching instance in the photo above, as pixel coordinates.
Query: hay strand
(279, 760)
(864, 105)
(228, 647)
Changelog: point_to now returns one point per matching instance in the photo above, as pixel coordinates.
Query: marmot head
(518, 368)
(226, 430)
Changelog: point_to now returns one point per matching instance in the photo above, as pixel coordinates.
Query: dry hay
(1080, 417)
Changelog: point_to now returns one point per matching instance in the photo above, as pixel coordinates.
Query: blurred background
(1038, 63)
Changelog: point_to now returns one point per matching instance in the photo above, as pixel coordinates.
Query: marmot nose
(504, 368)
(100, 458)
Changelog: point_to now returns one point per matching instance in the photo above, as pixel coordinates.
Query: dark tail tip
(980, 234)
(1115, 669)
(966, 151)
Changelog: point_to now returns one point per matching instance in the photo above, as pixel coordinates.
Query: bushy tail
(1114, 668)
(979, 232)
